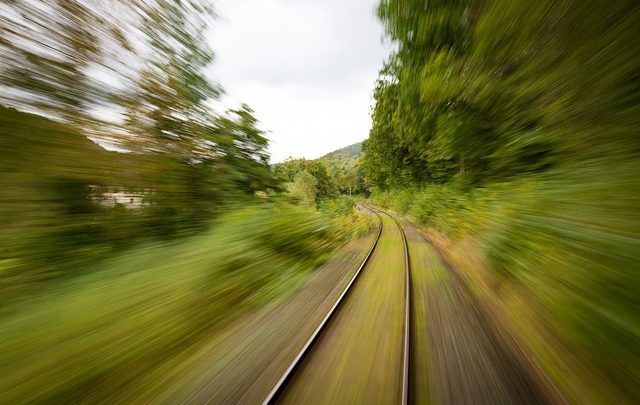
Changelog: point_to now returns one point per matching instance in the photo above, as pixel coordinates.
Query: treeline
(306, 180)
(493, 91)
(107, 134)
(517, 123)
(344, 167)
(311, 181)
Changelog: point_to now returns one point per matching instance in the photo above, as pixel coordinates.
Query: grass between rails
(558, 257)
(146, 308)
(358, 358)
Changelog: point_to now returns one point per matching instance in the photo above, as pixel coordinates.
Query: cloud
(307, 67)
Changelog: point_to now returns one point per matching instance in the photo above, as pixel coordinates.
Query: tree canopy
(163, 167)
(472, 90)
(287, 171)
(517, 123)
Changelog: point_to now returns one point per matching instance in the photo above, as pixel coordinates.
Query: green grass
(146, 308)
(569, 239)
(341, 366)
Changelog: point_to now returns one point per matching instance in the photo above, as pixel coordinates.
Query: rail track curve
(281, 385)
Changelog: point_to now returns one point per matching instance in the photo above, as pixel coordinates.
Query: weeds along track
(406, 360)
(304, 358)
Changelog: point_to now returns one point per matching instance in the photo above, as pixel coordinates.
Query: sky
(307, 68)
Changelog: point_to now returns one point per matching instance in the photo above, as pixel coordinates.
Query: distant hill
(343, 166)
(347, 152)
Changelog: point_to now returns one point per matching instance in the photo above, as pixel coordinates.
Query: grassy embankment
(556, 257)
(149, 307)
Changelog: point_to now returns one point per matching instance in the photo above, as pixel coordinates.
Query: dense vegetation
(129, 242)
(348, 152)
(174, 163)
(336, 173)
(343, 166)
(307, 180)
(138, 220)
(141, 312)
(517, 123)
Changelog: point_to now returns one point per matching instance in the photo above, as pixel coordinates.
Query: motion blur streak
(149, 251)
(110, 159)
(510, 129)
(106, 134)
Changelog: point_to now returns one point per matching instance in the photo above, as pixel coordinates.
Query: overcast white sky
(307, 67)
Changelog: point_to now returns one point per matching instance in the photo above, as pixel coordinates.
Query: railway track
(286, 379)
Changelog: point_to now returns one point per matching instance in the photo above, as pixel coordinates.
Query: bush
(140, 310)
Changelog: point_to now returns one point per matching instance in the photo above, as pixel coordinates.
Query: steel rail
(278, 389)
(407, 311)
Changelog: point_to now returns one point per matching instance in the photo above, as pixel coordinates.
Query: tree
(183, 163)
(287, 170)
(303, 188)
(481, 93)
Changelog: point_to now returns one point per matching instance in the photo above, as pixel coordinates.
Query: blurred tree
(245, 148)
(480, 94)
(167, 110)
(303, 188)
(47, 49)
(177, 162)
(470, 92)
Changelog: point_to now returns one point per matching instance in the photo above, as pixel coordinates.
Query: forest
(516, 125)
(76, 186)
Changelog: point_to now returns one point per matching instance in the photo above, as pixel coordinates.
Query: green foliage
(338, 172)
(518, 123)
(344, 168)
(66, 200)
(303, 188)
(351, 151)
(140, 311)
(287, 171)
(347, 219)
(474, 90)
(347, 175)
(444, 207)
